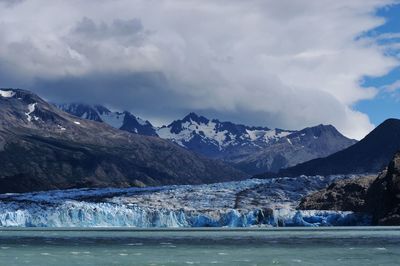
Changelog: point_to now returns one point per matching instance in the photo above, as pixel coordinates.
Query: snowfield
(210, 132)
(254, 202)
(7, 93)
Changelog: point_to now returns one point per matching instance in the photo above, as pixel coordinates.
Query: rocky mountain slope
(42, 147)
(250, 149)
(370, 155)
(378, 196)
(120, 120)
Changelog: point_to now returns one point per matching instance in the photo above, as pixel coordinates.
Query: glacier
(249, 203)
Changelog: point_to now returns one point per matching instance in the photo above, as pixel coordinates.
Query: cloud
(389, 36)
(392, 87)
(10, 3)
(88, 29)
(286, 64)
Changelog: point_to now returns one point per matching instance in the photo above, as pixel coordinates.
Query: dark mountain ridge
(370, 155)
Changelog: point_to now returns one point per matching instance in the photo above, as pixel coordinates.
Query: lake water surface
(286, 246)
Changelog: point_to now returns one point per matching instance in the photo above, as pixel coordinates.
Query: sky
(287, 64)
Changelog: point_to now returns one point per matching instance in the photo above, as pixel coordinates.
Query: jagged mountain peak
(317, 131)
(198, 131)
(193, 117)
(102, 109)
(190, 119)
(86, 111)
(120, 120)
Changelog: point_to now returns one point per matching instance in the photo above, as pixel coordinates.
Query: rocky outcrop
(383, 199)
(347, 194)
(379, 197)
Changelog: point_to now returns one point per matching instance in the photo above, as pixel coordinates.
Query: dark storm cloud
(153, 96)
(143, 93)
(118, 28)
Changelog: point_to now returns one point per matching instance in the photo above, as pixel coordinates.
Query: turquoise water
(294, 246)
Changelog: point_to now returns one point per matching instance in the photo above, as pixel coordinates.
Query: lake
(275, 246)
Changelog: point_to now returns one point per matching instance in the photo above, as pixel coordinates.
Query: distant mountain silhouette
(370, 155)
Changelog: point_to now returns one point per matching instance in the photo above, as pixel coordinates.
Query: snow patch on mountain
(190, 129)
(31, 109)
(266, 135)
(60, 127)
(7, 93)
(215, 133)
(120, 120)
(142, 122)
(114, 119)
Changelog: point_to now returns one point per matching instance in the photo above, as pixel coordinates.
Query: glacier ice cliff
(84, 214)
(247, 203)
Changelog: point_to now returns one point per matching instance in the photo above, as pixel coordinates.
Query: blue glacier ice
(233, 204)
(84, 214)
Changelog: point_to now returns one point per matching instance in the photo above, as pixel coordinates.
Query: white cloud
(288, 64)
(392, 87)
(389, 36)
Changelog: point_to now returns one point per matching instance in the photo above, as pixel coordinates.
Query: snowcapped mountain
(211, 137)
(120, 120)
(42, 148)
(214, 138)
(254, 149)
(251, 149)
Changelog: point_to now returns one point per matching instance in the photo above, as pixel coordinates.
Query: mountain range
(42, 148)
(250, 149)
(369, 155)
